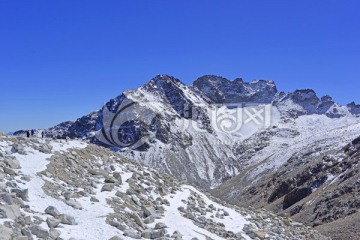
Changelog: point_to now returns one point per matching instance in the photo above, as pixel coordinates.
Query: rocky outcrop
(221, 90)
(354, 108)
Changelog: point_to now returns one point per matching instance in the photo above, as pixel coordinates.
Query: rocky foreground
(73, 190)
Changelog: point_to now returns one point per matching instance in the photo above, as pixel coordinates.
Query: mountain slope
(181, 137)
(74, 190)
(317, 185)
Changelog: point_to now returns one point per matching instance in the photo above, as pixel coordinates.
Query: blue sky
(62, 59)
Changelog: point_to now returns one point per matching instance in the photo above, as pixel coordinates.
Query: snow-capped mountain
(201, 154)
(233, 137)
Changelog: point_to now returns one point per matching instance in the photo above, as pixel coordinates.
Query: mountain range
(244, 142)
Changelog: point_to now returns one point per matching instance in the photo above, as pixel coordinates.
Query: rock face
(221, 90)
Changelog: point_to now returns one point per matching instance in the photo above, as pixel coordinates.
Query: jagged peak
(327, 98)
(164, 78)
(353, 104)
(221, 79)
(304, 94)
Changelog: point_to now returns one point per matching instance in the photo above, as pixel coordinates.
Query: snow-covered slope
(74, 190)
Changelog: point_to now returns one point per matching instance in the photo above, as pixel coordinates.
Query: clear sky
(62, 59)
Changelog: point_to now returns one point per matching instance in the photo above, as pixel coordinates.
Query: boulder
(9, 171)
(45, 148)
(53, 222)
(160, 225)
(39, 232)
(67, 219)
(54, 233)
(149, 219)
(13, 163)
(74, 204)
(17, 148)
(107, 187)
(11, 211)
(116, 238)
(23, 194)
(138, 220)
(117, 176)
(52, 211)
(94, 199)
(5, 233)
(132, 234)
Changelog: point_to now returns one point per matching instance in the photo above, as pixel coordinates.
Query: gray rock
(68, 195)
(53, 222)
(39, 231)
(177, 235)
(45, 148)
(26, 178)
(52, 211)
(116, 238)
(147, 234)
(117, 176)
(27, 220)
(2, 214)
(6, 198)
(9, 171)
(13, 163)
(110, 180)
(17, 148)
(149, 219)
(23, 194)
(226, 213)
(132, 234)
(54, 233)
(74, 204)
(11, 211)
(107, 187)
(114, 223)
(67, 219)
(94, 199)
(5, 233)
(2, 185)
(26, 232)
(160, 225)
(138, 220)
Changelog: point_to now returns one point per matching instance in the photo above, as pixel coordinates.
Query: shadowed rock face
(354, 108)
(221, 90)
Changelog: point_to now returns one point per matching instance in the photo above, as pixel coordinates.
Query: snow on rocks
(82, 191)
